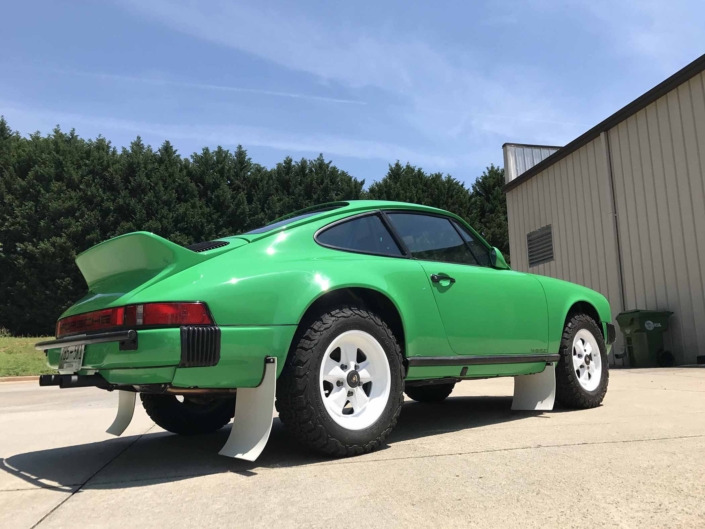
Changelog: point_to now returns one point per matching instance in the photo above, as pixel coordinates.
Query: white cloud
(161, 81)
(661, 33)
(445, 95)
(228, 136)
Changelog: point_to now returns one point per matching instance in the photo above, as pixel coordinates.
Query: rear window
(363, 234)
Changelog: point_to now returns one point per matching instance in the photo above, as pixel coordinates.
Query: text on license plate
(71, 359)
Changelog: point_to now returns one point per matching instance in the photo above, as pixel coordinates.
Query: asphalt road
(637, 461)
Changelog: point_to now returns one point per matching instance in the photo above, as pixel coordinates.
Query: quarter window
(431, 238)
(363, 234)
(482, 254)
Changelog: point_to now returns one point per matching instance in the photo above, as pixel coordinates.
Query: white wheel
(355, 380)
(587, 361)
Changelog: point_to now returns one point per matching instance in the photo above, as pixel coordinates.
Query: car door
(485, 311)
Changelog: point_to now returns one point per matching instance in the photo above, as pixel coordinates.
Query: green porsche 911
(333, 312)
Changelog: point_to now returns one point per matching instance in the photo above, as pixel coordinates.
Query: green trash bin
(643, 337)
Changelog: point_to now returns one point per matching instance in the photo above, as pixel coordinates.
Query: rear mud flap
(535, 392)
(126, 409)
(254, 411)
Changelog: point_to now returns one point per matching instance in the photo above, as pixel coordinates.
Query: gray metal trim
(530, 145)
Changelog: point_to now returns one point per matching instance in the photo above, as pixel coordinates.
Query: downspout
(607, 156)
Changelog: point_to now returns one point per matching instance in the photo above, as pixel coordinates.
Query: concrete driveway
(637, 461)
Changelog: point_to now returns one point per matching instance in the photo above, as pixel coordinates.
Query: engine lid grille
(205, 246)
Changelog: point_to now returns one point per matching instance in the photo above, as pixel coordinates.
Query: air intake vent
(540, 246)
(205, 246)
(200, 346)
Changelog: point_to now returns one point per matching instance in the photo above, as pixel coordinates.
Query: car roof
(348, 207)
(362, 205)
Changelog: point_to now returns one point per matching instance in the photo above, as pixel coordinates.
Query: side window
(363, 234)
(482, 254)
(431, 238)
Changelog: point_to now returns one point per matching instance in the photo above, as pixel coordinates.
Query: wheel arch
(364, 297)
(587, 308)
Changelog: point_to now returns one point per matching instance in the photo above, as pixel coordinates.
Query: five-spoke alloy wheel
(341, 389)
(587, 360)
(355, 380)
(582, 373)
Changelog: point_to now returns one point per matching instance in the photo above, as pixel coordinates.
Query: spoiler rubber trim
(88, 339)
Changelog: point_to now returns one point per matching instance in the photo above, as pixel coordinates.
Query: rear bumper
(88, 339)
(156, 357)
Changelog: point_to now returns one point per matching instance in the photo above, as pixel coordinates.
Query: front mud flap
(254, 411)
(535, 392)
(126, 409)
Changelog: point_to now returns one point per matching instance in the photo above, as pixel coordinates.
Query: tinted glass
(481, 253)
(287, 221)
(363, 234)
(431, 238)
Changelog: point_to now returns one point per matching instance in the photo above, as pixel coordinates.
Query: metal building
(621, 209)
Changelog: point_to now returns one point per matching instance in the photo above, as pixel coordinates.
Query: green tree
(61, 194)
(488, 209)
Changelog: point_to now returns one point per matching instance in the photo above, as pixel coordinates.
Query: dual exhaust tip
(73, 381)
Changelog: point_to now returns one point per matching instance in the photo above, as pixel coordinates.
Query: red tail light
(147, 314)
(167, 314)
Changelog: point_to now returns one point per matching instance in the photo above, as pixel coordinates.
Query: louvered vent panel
(200, 346)
(205, 246)
(540, 246)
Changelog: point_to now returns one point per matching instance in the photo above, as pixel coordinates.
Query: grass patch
(18, 357)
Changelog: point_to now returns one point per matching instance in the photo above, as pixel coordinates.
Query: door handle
(437, 278)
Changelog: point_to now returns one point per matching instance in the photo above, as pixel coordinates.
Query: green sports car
(333, 312)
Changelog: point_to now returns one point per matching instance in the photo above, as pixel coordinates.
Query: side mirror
(497, 260)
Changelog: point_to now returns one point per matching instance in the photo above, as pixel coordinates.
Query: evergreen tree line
(61, 194)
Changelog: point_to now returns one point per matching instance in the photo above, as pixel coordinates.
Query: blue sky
(440, 84)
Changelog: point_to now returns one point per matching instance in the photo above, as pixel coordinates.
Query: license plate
(71, 359)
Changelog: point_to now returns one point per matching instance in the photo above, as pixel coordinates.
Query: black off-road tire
(299, 402)
(193, 416)
(430, 393)
(569, 392)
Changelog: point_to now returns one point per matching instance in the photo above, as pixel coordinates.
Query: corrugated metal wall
(574, 197)
(658, 165)
(657, 160)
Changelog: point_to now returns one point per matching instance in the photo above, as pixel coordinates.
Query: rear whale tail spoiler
(119, 268)
(132, 260)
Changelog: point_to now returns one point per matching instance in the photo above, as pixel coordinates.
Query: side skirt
(479, 360)
(254, 412)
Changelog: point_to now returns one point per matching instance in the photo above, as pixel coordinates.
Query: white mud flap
(126, 409)
(535, 392)
(254, 410)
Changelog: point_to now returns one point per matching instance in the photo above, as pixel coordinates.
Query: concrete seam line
(55, 489)
(182, 476)
(492, 450)
(90, 478)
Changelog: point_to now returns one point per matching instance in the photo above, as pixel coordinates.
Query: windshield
(296, 216)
